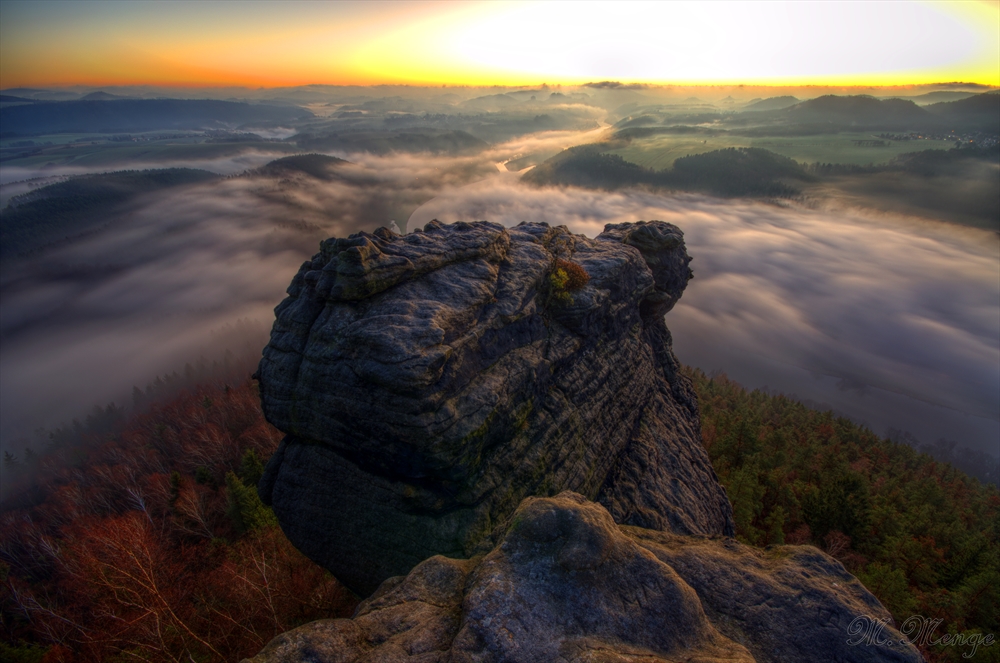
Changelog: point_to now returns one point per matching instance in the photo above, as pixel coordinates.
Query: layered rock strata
(428, 383)
(567, 584)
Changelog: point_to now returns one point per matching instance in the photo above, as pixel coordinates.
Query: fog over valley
(499, 331)
(845, 298)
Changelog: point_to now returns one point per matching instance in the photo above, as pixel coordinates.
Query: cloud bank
(885, 318)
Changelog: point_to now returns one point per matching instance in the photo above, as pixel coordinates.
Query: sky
(272, 44)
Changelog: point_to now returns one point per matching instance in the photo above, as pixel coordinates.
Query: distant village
(977, 139)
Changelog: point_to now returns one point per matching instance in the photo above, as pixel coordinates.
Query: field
(660, 151)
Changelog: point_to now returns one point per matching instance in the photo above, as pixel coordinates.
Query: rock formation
(428, 383)
(566, 584)
(438, 389)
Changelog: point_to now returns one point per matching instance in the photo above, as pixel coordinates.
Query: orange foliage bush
(576, 275)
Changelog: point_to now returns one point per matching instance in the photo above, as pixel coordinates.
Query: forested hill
(147, 540)
(319, 166)
(125, 115)
(980, 112)
(734, 171)
(423, 139)
(920, 534)
(772, 103)
(859, 111)
(175, 484)
(79, 205)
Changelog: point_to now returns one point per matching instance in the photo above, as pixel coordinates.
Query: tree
(246, 510)
(133, 590)
(251, 469)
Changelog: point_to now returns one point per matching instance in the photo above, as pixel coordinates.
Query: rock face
(428, 383)
(567, 584)
(437, 389)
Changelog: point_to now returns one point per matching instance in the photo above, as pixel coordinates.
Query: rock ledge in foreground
(566, 584)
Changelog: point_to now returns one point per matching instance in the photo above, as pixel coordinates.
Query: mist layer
(891, 320)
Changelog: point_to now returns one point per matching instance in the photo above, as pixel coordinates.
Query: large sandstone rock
(566, 584)
(428, 383)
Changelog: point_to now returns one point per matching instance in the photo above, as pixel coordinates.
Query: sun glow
(733, 42)
(498, 43)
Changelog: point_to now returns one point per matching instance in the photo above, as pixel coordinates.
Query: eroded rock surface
(566, 584)
(428, 383)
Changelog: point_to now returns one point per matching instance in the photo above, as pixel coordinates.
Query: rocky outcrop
(567, 584)
(438, 389)
(428, 383)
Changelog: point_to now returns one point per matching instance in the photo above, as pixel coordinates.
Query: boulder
(567, 584)
(428, 383)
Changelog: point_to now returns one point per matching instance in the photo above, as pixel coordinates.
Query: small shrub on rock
(575, 275)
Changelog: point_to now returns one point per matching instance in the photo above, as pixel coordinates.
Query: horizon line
(608, 84)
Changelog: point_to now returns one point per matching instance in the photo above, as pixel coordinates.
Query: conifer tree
(246, 510)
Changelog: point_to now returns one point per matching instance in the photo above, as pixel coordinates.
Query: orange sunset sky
(57, 43)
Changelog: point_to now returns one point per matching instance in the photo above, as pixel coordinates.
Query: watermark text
(916, 630)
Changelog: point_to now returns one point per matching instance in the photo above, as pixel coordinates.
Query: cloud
(889, 319)
(230, 165)
(615, 85)
(84, 321)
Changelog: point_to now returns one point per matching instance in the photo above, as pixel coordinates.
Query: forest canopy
(215, 578)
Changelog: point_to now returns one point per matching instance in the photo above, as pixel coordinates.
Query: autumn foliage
(574, 276)
(151, 544)
(144, 539)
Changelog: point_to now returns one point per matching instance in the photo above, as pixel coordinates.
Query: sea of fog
(892, 321)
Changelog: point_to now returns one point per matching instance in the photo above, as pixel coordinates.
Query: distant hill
(24, 91)
(745, 171)
(9, 99)
(834, 113)
(772, 103)
(39, 94)
(101, 95)
(525, 95)
(738, 171)
(437, 141)
(492, 102)
(640, 121)
(977, 113)
(124, 115)
(80, 205)
(931, 163)
(586, 166)
(935, 97)
(858, 111)
(314, 165)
